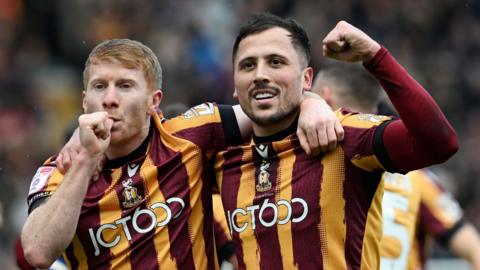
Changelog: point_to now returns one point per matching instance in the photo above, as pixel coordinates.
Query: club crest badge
(130, 194)
(263, 178)
(132, 198)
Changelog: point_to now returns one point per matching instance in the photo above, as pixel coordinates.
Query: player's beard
(275, 118)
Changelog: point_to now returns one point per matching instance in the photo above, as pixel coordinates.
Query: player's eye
(276, 62)
(99, 86)
(125, 85)
(247, 65)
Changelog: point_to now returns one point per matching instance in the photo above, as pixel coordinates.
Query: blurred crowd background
(43, 46)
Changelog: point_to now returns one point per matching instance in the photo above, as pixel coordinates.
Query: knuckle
(321, 124)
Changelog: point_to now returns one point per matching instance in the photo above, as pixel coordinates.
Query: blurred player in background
(414, 206)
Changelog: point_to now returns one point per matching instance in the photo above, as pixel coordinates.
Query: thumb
(337, 45)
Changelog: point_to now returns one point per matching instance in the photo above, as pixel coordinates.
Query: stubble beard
(275, 118)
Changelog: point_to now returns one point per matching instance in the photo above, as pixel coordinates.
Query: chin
(272, 118)
(265, 120)
(265, 113)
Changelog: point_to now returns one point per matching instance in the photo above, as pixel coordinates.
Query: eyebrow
(96, 80)
(252, 58)
(119, 81)
(274, 55)
(126, 81)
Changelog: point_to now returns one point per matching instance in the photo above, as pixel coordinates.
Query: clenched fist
(348, 43)
(95, 132)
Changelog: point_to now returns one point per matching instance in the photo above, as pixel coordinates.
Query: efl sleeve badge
(40, 179)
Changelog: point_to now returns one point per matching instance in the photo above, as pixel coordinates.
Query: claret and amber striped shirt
(415, 208)
(289, 211)
(151, 209)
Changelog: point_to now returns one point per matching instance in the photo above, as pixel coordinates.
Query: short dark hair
(352, 83)
(264, 21)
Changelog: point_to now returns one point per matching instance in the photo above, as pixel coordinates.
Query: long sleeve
(423, 136)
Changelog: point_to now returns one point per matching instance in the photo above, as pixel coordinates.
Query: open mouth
(263, 93)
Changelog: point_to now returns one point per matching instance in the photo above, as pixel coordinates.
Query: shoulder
(360, 120)
(197, 116)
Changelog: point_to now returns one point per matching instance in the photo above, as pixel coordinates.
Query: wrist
(375, 48)
(85, 158)
(309, 95)
(311, 101)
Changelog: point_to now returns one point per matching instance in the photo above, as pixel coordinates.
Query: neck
(270, 129)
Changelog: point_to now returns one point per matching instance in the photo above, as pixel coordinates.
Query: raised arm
(50, 227)
(423, 136)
